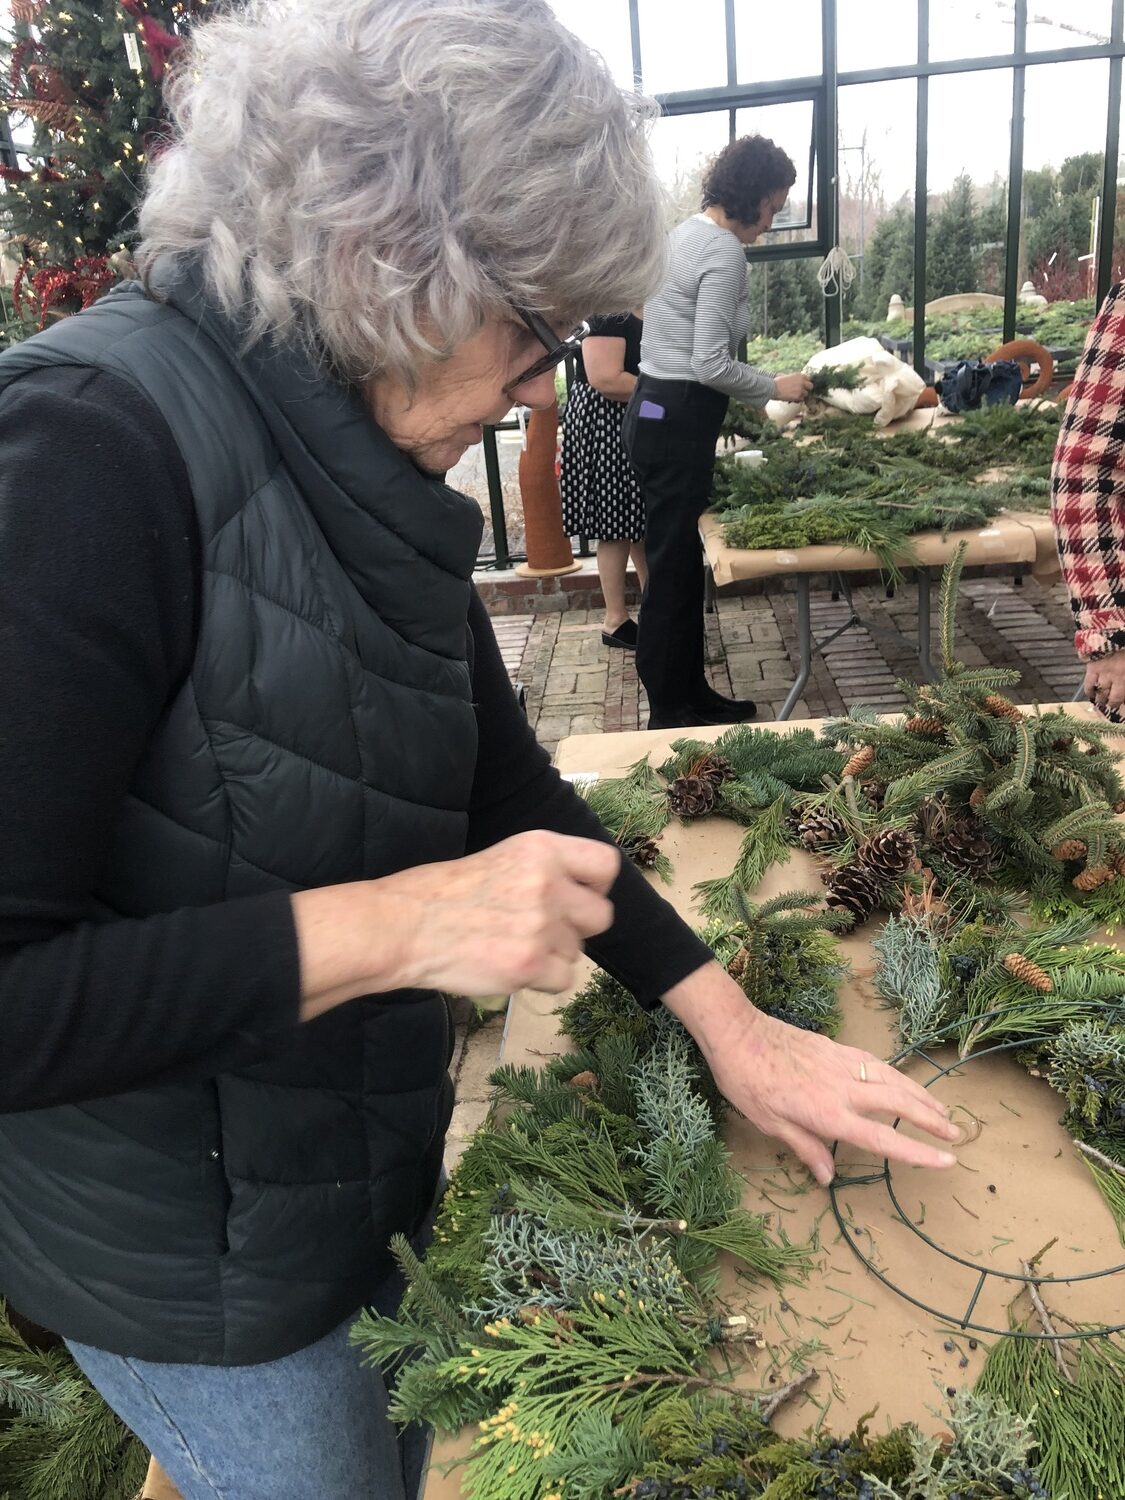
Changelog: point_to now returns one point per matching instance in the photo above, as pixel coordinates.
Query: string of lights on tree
(84, 78)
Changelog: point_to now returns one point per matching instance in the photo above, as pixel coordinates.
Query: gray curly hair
(377, 177)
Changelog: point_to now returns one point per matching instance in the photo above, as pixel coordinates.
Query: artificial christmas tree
(83, 97)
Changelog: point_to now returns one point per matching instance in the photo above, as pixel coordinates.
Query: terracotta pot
(929, 397)
(1027, 352)
(548, 547)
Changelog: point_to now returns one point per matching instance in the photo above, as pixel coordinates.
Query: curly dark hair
(744, 175)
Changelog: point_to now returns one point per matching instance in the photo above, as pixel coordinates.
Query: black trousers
(670, 431)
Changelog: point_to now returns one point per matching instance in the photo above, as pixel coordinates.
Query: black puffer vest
(325, 734)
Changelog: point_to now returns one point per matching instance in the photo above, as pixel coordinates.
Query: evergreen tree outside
(785, 297)
(951, 251)
(84, 96)
(888, 265)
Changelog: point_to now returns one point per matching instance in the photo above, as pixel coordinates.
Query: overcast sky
(683, 47)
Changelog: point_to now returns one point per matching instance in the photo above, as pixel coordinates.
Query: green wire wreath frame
(963, 1320)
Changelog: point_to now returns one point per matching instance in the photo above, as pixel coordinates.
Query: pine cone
(965, 849)
(716, 769)
(876, 793)
(642, 850)
(888, 853)
(1069, 849)
(1023, 969)
(1000, 708)
(584, 1080)
(691, 797)
(919, 724)
(1090, 878)
(1117, 859)
(1119, 807)
(1064, 744)
(977, 798)
(737, 966)
(819, 827)
(860, 761)
(854, 888)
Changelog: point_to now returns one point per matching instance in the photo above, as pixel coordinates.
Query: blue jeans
(312, 1423)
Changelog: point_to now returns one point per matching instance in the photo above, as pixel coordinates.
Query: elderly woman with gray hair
(268, 794)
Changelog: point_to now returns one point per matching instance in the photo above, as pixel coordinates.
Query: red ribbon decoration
(159, 43)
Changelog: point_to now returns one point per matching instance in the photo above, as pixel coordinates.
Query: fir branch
(766, 842)
(947, 610)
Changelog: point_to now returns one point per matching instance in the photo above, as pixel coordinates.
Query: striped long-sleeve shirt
(1088, 487)
(694, 324)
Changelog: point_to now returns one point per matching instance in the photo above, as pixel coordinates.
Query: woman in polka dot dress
(600, 494)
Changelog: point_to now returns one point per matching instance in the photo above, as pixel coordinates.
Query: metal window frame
(824, 91)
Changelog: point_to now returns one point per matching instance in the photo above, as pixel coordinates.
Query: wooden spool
(548, 547)
(1026, 352)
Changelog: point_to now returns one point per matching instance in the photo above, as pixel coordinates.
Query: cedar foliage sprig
(1078, 1418)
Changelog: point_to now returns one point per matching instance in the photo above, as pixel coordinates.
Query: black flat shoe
(688, 715)
(738, 710)
(624, 637)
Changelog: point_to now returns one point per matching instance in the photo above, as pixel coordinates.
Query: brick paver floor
(575, 685)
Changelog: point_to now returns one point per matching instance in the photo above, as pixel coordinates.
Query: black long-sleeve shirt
(99, 595)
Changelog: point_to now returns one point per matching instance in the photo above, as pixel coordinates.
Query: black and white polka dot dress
(600, 495)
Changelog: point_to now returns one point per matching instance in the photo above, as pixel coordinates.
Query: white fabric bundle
(889, 388)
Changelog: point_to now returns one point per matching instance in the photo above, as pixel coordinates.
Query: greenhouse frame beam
(823, 91)
(1015, 176)
(921, 188)
(1109, 49)
(1110, 164)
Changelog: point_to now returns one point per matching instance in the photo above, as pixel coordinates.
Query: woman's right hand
(513, 916)
(792, 387)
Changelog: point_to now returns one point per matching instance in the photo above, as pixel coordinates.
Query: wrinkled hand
(1104, 683)
(511, 917)
(792, 387)
(802, 1088)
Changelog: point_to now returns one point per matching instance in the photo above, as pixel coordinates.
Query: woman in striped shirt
(689, 371)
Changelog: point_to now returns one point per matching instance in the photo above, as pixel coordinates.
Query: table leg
(929, 672)
(804, 645)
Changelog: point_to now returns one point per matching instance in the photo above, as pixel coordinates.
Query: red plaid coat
(1088, 486)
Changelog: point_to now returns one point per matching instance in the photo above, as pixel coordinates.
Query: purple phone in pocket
(651, 410)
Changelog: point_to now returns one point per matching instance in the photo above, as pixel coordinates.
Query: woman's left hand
(1104, 683)
(802, 1088)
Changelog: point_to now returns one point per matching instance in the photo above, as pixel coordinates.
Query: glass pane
(786, 314)
(770, 49)
(876, 33)
(968, 191)
(877, 128)
(1052, 24)
(682, 146)
(603, 25)
(1064, 150)
(789, 126)
(682, 46)
(966, 28)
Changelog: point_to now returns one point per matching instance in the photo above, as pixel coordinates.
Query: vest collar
(345, 464)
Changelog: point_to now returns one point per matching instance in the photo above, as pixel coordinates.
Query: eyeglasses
(557, 350)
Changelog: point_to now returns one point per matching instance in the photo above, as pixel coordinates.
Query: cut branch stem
(1045, 1319)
